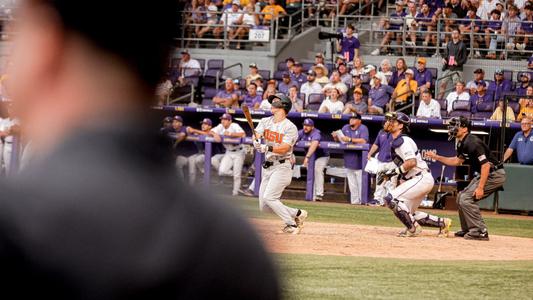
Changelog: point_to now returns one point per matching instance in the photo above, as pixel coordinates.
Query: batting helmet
(454, 124)
(284, 101)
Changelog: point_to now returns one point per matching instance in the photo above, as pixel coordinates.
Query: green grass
(333, 277)
(380, 216)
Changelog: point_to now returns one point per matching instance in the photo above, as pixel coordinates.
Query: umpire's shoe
(479, 235)
(300, 217)
(460, 233)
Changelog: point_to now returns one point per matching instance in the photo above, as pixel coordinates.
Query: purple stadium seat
(207, 102)
(314, 101)
(242, 84)
(301, 96)
(460, 108)
(216, 64)
(458, 113)
(282, 66)
(443, 103)
(482, 115)
(210, 92)
(515, 106)
(307, 66)
(201, 61)
(330, 67)
(508, 74)
(484, 110)
(210, 77)
(512, 94)
(278, 75)
(264, 73)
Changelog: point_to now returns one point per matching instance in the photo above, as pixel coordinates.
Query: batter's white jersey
(233, 128)
(275, 134)
(405, 148)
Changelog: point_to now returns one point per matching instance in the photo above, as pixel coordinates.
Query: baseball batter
(414, 178)
(279, 135)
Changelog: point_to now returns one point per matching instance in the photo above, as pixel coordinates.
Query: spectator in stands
(254, 74)
(188, 67)
(271, 90)
(379, 95)
(404, 90)
(289, 62)
(386, 69)
(198, 15)
(480, 96)
(410, 18)
(357, 83)
(196, 161)
(459, 8)
(423, 76)
(347, 6)
(485, 9)
(212, 19)
(339, 59)
(163, 90)
(227, 97)
(297, 75)
(511, 25)
(349, 45)
(455, 56)
(357, 105)
(320, 59)
(392, 25)
(399, 74)
(358, 66)
(447, 21)
(526, 110)
(521, 89)
(272, 11)
(472, 25)
(252, 99)
(311, 86)
(353, 133)
(332, 104)
(493, 33)
(346, 77)
(498, 113)
(237, 89)
(523, 144)
(232, 162)
(286, 83)
(230, 19)
(479, 76)
(321, 74)
(313, 135)
(247, 20)
(526, 28)
(425, 21)
(429, 107)
(297, 103)
(370, 72)
(460, 93)
(259, 83)
(500, 85)
(335, 82)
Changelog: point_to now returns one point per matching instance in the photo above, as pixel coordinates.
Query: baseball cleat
(408, 233)
(291, 229)
(301, 218)
(246, 192)
(460, 233)
(445, 231)
(477, 235)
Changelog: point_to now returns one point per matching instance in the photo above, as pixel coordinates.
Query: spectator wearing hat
(429, 107)
(346, 77)
(272, 11)
(498, 113)
(349, 45)
(228, 97)
(286, 83)
(522, 143)
(321, 74)
(479, 76)
(455, 56)
(297, 75)
(357, 83)
(311, 86)
(252, 98)
(404, 90)
(368, 76)
(196, 161)
(460, 93)
(233, 159)
(526, 106)
(500, 85)
(335, 82)
(320, 59)
(521, 89)
(480, 96)
(332, 104)
(379, 96)
(311, 134)
(423, 76)
(393, 26)
(339, 59)
(493, 33)
(357, 105)
(254, 74)
(237, 89)
(188, 67)
(297, 103)
(353, 133)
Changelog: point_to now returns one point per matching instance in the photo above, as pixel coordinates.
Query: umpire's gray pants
(469, 212)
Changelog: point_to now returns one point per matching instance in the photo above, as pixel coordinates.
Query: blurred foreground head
(86, 60)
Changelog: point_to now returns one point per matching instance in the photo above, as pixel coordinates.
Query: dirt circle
(375, 241)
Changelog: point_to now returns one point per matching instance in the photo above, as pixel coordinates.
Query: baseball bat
(248, 115)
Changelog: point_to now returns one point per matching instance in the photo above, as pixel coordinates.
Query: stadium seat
(210, 77)
(460, 108)
(443, 106)
(264, 73)
(282, 66)
(215, 64)
(508, 74)
(314, 101)
(201, 61)
(484, 110)
(307, 66)
(515, 106)
(278, 75)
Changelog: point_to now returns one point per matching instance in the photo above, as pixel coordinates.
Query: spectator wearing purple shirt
(354, 133)
(379, 95)
(286, 83)
(382, 144)
(435, 6)
(393, 24)
(399, 74)
(227, 97)
(493, 33)
(526, 28)
(252, 99)
(297, 75)
(310, 134)
(472, 24)
(499, 85)
(480, 96)
(425, 21)
(423, 76)
(521, 89)
(349, 45)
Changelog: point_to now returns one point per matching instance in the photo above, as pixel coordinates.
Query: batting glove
(261, 148)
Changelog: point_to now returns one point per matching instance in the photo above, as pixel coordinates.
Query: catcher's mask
(400, 117)
(454, 124)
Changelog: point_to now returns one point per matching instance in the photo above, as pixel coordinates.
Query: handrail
(221, 72)
(437, 86)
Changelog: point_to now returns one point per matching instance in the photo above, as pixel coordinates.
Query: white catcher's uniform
(233, 159)
(6, 146)
(279, 175)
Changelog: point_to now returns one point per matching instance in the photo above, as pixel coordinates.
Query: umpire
(491, 177)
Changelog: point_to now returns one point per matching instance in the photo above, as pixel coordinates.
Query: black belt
(496, 167)
(235, 150)
(267, 164)
(417, 174)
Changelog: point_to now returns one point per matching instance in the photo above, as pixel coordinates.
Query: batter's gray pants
(468, 206)
(273, 181)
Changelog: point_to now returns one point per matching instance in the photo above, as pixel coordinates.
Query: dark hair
(138, 34)
(495, 11)
(251, 83)
(350, 26)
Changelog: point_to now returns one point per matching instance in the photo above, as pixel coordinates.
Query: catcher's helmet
(454, 124)
(284, 101)
(400, 117)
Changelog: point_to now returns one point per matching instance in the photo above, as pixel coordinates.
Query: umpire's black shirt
(103, 217)
(475, 152)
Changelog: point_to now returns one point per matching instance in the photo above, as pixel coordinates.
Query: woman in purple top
(399, 74)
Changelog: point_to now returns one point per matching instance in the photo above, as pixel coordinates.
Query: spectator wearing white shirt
(212, 19)
(336, 83)
(311, 86)
(485, 8)
(229, 19)
(248, 20)
(188, 67)
(460, 93)
(332, 104)
(428, 108)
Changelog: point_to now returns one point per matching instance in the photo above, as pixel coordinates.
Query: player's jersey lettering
(274, 137)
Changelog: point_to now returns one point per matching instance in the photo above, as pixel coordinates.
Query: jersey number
(273, 136)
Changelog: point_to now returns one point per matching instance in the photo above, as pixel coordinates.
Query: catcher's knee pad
(390, 201)
(425, 219)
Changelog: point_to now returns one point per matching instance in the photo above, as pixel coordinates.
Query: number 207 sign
(259, 34)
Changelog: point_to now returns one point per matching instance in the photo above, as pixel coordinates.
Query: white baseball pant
(320, 165)
(181, 162)
(273, 181)
(196, 162)
(383, 189)
(8, 149)
(231, 165)
(215, 160)
(355, 178)
(413, 191)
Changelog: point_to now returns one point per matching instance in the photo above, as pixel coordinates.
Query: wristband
(270, 148)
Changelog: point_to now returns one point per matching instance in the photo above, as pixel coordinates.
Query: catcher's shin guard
(425, 219)
(400, 211)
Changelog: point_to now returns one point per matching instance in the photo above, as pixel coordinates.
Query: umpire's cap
(284, 101)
